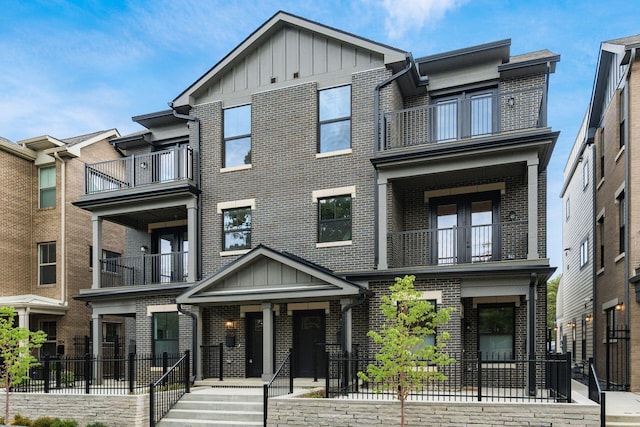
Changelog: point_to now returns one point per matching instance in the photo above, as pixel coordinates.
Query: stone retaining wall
(292, 411)
(114, 411)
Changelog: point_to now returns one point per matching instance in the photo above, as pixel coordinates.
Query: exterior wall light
(588, 317)
(620, 306)
(512, 216)
(511, 101)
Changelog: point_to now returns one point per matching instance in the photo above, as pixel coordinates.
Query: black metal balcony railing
(133, 171)
(143, 270)
(458, 245)
(463, 118)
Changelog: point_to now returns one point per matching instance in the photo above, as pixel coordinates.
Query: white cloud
(412, 15)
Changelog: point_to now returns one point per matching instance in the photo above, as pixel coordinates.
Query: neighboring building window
(334, 219)
(496, 331)
(602, 154)
(237, 136)
(567, 210)
(428, 340)
(334, 119)
(622, 118)
(585, 173)
(584, 252)
(622, 222)
(601, 236)
(48, 187)
(165, 334)
(49, 346)
(47, 263)
(237, 229)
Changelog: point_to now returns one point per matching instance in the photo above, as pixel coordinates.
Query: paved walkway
(618, 403)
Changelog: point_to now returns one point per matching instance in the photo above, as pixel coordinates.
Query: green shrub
(96, 425)
(64, 423)
(42, 422)
(19, 420)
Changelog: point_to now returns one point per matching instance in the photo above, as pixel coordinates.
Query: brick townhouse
(275, 202)
(46, 241)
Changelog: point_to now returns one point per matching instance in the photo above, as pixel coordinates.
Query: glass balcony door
(172, 248)
(464, 115)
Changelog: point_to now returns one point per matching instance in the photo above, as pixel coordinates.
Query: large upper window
(496, 331)
(601, 237)
(334, 219)
(584, 252)
(237, 136)
(622, 117)
(465, 115)
(47, 263)
(601, 148)
(48, 187)
(585, 174)
(334, 119)
(237, 229)
(165, 333)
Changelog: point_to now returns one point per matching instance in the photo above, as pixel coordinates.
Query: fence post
(152, 406)
(165, 365)
(187, 374)
(132, 369)
(568, 378)
(316, 347)
(479, 376)
(47, 373)
(326, 375)
(87, 372)
(265, 399)
(59, 374)
(290, 370)
(220, 361)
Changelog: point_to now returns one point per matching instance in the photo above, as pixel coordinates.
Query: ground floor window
(165, 333)
(49, 346)
(496, 325)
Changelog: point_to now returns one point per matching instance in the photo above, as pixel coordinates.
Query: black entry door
(254, 344)
(308, 329)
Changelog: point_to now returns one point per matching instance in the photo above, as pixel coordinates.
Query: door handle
(250, 360)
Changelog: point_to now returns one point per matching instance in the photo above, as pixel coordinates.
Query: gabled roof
(264, 274)
(35, 303)
(276, 23)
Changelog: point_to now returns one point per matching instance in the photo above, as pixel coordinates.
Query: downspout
(194, 342)
(594, 267)
(627, 196)
(531, 315)
(63, 229)
(376, 126)
(362, 297)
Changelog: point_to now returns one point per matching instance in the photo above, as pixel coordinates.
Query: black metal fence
(616, 358)
(280, 384)
(470, 377)
(130, 374)
(169, 388)
(213, 361)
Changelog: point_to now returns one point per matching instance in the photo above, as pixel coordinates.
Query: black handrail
(271, 387)
(595, 392)
(170, 378)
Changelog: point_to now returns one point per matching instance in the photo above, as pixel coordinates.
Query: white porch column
(192, 256)
(197, 352)
(97, 251)
(96, 325)
(267, 341)
(532, 188)
(382, 224)
(23, 317)
(347, 324)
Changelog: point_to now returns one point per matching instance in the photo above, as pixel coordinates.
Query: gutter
(362, 297)
(376, 136)
(63, 229)
(194, 342)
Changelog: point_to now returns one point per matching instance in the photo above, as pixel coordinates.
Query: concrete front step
(623, 421)
(214, 408)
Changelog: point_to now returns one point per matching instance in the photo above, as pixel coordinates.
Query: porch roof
(35, 303)
(267, 275)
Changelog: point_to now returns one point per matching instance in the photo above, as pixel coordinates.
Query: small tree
(16, 344)
(405, 360)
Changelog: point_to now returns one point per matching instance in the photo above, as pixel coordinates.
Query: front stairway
(215, 407)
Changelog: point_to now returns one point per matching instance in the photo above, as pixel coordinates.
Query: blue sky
(74, 67)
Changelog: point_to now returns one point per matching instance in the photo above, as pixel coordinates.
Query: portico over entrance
(270, 296)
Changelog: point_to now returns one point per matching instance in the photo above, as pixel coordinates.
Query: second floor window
(237, 229)
(47, 184)
(237, 136)
(47, 263)
(567, 209)
(465, 115)
(601, 148)
(622, 117)
(334, 219)
(334, 119)
(584, 252)
(601, 236)
(585, 174)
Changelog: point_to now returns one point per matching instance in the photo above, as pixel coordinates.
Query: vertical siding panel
(278, 53)
(306, 54)
(240, 75)
(319, 54)
(292, 58)
(253, 69)
(266, 63)
(334, 56)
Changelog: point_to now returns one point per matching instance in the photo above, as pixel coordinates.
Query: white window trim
(233, 253)
(164, 308)
(331, 192)
(334, 244)
(334, 153)
(234, 204)
(236, 168)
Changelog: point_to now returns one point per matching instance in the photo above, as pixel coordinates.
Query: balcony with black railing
(458, 245)
(146, 269)
(463, 118)
(142, 170)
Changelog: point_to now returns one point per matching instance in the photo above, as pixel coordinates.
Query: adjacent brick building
(46, 241)
(278, 199)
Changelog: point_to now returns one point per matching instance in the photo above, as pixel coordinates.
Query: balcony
(458, 245)
(463, 118)
(139, 171)
(146, 269)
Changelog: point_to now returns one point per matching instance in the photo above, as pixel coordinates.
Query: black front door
(170, 251)
(254, 344)
(308, 329)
